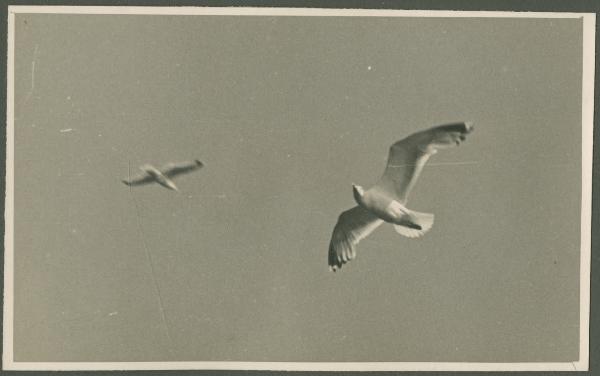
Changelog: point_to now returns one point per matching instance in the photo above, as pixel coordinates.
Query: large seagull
(386, 200)
(151, 174)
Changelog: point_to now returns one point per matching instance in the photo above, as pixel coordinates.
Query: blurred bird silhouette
(385, 201)
(151, 174)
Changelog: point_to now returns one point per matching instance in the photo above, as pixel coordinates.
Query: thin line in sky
(35, 52)
(151, 263)
(30, 93)
(438, 164)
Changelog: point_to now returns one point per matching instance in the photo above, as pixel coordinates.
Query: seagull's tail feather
(414, 224)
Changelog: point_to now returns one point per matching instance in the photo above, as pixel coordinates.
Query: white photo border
(582, 364)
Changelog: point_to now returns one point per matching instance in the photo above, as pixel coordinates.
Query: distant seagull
(163, 176)
(387, 199)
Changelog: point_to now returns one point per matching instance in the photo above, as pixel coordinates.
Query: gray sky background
(286, 114)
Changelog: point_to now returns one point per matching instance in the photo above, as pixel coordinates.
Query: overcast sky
(286, 113)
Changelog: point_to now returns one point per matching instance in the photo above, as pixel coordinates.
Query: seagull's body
(386, 200)
(151, 174)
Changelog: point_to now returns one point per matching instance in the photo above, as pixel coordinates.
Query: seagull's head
(468, 126)
(358, 193)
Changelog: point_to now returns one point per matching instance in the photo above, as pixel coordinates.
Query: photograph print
(297, 189)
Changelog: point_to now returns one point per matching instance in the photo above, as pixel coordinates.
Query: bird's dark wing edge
(174, 169)
(139, 179)
(352, 226)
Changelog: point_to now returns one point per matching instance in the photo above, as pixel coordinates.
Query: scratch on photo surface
(152, 272)
(66, 130)
(30, 93)
(437, 164)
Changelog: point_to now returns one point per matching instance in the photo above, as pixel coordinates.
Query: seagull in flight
(386, 200)
(151, 174)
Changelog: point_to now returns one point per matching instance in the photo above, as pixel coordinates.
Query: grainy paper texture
(287, 112)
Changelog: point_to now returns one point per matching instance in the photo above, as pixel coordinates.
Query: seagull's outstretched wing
(352, 226)
(408, 156)
(139, 179)
(174, 169)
